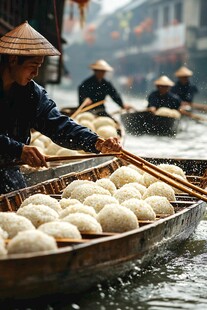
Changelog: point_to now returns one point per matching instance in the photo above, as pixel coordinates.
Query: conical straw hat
(183, 71)
(101, 65)
(25, 40)
(164, 81)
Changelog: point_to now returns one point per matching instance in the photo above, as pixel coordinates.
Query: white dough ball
(107, 184)
(31, 241)
(141, 209)
(160, 205)
(42, 199)
(124, 175)
(80, 208)
(106, 131)
(70, 187)
(98, 201)
(66, 202)
(12, 223)
(160, 189)
(126, 193)
(116, 218)
(38, 214)
(85, 190)
(84, 222)
(59, 229)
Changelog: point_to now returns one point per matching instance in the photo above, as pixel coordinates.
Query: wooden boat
(79, 265)
(143, 122)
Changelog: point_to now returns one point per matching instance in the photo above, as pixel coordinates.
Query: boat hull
(139, 123)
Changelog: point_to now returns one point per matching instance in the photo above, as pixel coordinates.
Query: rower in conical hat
(96, 88)
(183, 87)
(162, 96)
(26, 106)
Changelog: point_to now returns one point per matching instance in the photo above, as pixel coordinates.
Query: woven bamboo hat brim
(101, 65)
(183, 72)
(164, 81)
(25, 40)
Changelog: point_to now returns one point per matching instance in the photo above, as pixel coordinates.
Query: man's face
(163, 89)
(25, 72)
(100, 74)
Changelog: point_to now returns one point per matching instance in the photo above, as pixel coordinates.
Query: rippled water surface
(179, 279)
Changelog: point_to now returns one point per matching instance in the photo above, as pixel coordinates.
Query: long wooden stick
(79, 108)
(199, 106)
(164, 178)
(62, 158)
(193, 116)
(144, 162)
(91, 106)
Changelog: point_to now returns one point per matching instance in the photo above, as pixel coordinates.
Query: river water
(179, 279)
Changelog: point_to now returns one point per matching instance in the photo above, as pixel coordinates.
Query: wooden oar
(79, 109)
(193, 116)
(199, 106)
(62, 158)
(91, 106)
(164, 176)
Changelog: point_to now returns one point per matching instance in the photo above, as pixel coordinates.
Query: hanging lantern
(115, 35)
(82, 4)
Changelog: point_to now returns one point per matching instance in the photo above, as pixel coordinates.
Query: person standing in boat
(25, 105)
(96, 88)
(183, 87)
(163, 97)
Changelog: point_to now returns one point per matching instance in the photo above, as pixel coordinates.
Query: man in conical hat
(183, 87)
(25, 105)
(162, 97)
(96, 88)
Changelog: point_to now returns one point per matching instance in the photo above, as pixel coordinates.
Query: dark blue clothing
(168, 100)
(97, 91)
(27, 107)
(185, 91)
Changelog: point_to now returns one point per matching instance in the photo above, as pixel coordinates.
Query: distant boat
(143, 122)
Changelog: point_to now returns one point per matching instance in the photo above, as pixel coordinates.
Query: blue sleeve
(60, 128)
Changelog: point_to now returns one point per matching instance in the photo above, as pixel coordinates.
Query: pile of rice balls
(115, 204)
(104, 126)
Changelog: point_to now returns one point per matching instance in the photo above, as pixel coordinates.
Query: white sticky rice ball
(40, 144)
(103, 121)
(168, 112)
(98, 201)
(160, 189)
(42, 199)
(106, 131)
(172, 169)
(116, 218)
(124, 175)
(12, 223)
(87, 123)
(46, 140)
(80, 208)
(66, 202)
(123, 194)
(3, 233)
(160, 205)
(85, 116)
(66, 152)
(84, 222)
(107, 184)
(52, 148)
(141, 188)
(70, 187)
(31, 241)
(141, 209)
(85, 190)
(58, 229)
(38, 214)
(136, 168)
(3, 250)
(178, 191)
(149, 179)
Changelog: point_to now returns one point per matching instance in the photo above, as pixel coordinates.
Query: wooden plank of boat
(77, 267)
(143, 122)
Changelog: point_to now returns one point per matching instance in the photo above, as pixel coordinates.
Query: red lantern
(82, 4)
(115, 35)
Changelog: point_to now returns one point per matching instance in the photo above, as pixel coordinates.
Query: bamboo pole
(79, 108)
(91, 106)
(165, 176)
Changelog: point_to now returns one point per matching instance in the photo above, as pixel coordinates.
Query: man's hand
(32, 156)
(108, 145)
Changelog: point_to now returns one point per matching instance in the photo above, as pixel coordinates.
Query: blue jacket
(185, 92)
(168, 100)
(27, 107)
(98, 91)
